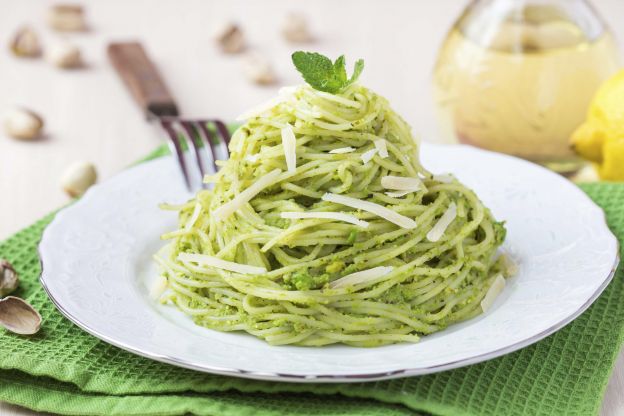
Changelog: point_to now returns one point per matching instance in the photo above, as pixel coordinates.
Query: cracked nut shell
(9, 280)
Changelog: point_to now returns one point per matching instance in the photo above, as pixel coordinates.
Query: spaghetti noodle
(323, 228)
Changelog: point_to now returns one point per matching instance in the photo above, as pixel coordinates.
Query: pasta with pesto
(323, 227)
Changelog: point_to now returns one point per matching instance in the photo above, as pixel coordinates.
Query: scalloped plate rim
(318, 378)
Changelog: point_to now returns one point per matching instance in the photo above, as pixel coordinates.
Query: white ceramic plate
(97, 268)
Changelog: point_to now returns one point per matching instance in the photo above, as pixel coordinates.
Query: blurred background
(219, 58)
(89, 115)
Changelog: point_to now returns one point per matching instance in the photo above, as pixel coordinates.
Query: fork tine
(225, 136)
(191, 131)
(210, 148)
(174, 145)
(206, 141)
(223, 131)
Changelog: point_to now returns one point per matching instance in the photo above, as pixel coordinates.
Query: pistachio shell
(67, 18)
(22, 124)
(25, 43)
(295, 28)
(78, 177)
(9, 280)
(17, 316)
(230, 38)
(258, 69)
(64, 55)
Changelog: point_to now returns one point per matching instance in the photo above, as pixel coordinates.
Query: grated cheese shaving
(511, 267)
(260, 109)
(289, 143)
(338, 216)
(285, 94)
(382, 147)
(444, 178)
(368, 155)
(398, 194)
(227, 209)
(379, 210)
(360, 277)
(158, 287)
(252, 158)
(445, 220)
(288, 91)
(341, 150)
(220, 263)
(497, 287)
(400, 183)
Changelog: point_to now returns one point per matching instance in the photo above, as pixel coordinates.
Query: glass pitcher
(517, 76)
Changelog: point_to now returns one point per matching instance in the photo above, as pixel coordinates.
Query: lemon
(600, 138)
(587, 142)
(612, 167)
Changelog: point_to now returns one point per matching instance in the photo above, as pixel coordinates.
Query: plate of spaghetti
(330, 246)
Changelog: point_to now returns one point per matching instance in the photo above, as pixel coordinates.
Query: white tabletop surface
(89, 116)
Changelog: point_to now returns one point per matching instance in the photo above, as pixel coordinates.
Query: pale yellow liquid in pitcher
(526, 92)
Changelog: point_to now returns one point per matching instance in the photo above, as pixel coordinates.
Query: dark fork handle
(142, 79)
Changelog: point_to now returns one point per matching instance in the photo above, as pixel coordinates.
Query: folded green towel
(64, 370)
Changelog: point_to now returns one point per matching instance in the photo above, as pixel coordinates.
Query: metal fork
(144, 82)
(199, 135)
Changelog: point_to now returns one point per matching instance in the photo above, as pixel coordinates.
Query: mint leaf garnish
(323, 75)
(340, 70)
(357, 70)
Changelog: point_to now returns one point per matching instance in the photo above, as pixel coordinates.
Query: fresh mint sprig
(323, 75)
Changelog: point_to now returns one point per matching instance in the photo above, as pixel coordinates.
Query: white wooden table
(90, 117)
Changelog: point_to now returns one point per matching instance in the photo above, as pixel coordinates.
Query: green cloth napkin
(64, 370)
